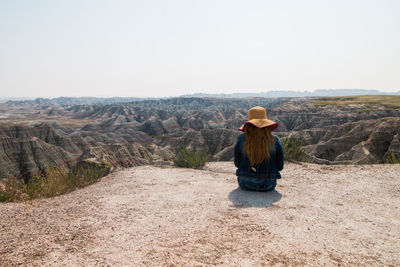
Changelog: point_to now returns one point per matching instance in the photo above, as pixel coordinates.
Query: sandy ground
(151, 216)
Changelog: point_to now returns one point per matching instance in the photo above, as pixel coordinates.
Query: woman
(258, 154)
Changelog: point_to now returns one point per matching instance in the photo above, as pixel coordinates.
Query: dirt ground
(164, 216)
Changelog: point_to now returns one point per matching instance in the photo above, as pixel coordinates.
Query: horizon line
(376, 91)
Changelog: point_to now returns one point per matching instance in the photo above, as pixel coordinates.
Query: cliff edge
(154, 216)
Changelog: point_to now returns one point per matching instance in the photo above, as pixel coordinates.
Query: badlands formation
(343, 211)
(65, 131)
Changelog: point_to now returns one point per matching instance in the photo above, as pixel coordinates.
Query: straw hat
(258, 118)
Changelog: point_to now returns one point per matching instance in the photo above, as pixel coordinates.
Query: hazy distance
(170, 48)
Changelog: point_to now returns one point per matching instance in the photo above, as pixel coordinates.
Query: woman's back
(258, 155)
(269, 167)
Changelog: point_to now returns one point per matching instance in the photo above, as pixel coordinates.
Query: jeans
(256, 184)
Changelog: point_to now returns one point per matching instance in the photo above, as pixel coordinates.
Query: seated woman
(258, 155)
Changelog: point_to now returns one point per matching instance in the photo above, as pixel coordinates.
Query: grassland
(369, 101)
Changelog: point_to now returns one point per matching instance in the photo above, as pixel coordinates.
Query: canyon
(53, 132)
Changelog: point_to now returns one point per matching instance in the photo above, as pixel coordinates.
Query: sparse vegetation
(9, 191)
(189, 158)
(292, 149)
(392, 159)
(53, 181)
(369, 101)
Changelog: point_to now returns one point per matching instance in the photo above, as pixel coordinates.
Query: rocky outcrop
(171, 126)
(393, 152)
(217, 140)
(25, 151)
(151, 131)
(362, 142)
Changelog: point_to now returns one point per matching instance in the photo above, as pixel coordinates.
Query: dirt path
(319, 215)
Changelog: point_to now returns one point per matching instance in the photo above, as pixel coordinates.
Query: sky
(164, 48)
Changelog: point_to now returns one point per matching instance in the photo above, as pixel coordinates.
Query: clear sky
(152, 48)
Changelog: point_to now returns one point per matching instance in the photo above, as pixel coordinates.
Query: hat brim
(260, 123)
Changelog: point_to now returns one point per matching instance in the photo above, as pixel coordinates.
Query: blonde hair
(258, 142)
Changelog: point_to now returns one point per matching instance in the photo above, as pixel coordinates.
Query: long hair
(258, 142)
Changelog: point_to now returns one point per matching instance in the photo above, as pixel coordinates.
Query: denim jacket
(268, 168)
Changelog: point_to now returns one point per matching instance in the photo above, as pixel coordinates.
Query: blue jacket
(268, 168)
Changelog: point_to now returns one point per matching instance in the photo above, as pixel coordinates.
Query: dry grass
(53, 182)
(390, 101)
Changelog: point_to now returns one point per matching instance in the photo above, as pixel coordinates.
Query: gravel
(152, 216)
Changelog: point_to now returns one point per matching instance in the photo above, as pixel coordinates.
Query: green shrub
(189, 158)
(392, 159)
(292, 149)
(4, 197)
